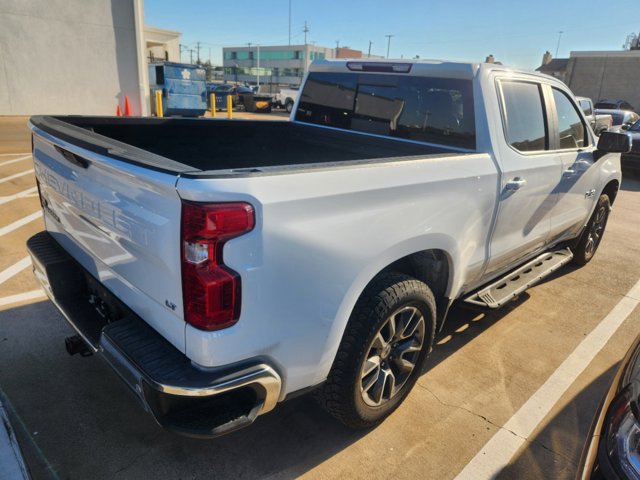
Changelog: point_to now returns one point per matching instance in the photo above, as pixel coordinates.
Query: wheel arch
(611, 190)
(411, 260)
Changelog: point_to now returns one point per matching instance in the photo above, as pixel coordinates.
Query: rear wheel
(383, 351)
(591, 237)
(289, 106)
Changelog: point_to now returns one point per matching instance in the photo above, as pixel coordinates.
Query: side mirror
(625, 126)
(614, 142)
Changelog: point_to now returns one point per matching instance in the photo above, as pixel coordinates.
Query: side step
(514, 283)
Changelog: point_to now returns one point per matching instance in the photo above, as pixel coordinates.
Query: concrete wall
(71, 56)
(610, 75)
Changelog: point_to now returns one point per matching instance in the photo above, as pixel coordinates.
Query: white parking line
(16, 175)
(22, 194)
(14, 269)
(501, 448)
(21, 297)
(14, 154)
(19, 223)
(15, 160)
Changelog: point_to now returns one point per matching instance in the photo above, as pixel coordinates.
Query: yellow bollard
(212, 98)
(229, 107)
(159, 103)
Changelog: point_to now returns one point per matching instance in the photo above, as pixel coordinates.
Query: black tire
(592, 235)
(288, 106)
(385, 300)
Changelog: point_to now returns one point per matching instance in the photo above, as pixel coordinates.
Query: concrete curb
(12, 466)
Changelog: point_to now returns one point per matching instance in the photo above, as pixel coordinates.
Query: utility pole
(191, 56)
(389, 43)
(198, 52)
(305, 30)
(258, 72)
(369, 52)
(558, 45)
(209, 55)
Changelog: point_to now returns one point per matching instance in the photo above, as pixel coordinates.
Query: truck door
(573, 145)
(530, 174)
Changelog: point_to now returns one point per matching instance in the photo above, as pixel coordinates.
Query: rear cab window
(424, 109)
(527, 108)
(523, 116)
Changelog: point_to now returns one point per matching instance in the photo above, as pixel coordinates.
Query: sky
(517, 33)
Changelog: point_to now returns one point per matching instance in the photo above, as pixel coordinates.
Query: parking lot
(531, 373)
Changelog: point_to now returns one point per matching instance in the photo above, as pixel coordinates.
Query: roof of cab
(431, 68)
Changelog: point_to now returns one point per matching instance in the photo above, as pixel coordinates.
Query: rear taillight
(210, 290)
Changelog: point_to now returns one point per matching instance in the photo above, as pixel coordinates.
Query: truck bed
(209, 144)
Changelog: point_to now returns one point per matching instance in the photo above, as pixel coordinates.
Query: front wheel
(591, 237)
(384, 348)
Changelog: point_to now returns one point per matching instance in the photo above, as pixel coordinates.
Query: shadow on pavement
(555, 451)
(75, 419)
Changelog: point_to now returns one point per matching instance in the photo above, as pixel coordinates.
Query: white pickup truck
(219, 273)
(286, 98)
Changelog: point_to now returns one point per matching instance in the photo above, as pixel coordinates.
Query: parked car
(631, 161)
(620, 118)
(599, 122)
(613, 105)
(242, 96)
(220, 274)
(612, 449)
(286, 98)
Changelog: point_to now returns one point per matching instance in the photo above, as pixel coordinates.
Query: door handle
(515, 184)
(569, 172)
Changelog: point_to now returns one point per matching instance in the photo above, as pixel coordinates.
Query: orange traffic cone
(118, 112)
(127, 107)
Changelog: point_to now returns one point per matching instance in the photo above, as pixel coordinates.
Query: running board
(514, 283)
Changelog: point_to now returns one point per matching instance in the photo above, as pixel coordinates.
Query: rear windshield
(425, 109)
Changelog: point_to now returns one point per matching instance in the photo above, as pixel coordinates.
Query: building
(161, 44)
(346, 52)
(598, 75)
(272, 65)
(72, 57)
(556, 67)
(605, 75)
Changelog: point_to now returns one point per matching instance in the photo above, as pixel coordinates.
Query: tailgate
(120, 221)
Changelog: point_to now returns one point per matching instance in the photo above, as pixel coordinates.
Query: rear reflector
(210, 290)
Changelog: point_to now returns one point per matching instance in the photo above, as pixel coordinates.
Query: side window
(571, 129)
(523, 115)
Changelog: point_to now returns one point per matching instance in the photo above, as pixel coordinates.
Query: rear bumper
(181, 397)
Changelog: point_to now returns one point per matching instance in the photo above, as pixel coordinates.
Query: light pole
(389, 43)
(558, 45)
(258, 72)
